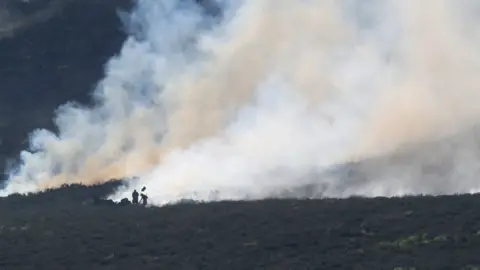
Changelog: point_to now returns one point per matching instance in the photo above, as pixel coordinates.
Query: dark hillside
(62, 229)
(53, 52)
(51, 61)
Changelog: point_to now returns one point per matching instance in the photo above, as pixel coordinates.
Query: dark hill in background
(62, 229)
(54, 52)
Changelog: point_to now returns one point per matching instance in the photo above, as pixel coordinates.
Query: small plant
(471, 267)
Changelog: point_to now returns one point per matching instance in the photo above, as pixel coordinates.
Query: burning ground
(62, 229)
(254, 100)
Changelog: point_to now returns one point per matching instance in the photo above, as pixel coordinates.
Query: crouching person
(144, 197)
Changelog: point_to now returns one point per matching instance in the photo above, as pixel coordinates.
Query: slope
(63, 229)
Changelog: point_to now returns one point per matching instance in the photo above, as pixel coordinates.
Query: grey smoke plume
(14, 19)
(273, 96)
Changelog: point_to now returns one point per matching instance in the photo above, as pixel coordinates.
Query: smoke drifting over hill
(270, 96)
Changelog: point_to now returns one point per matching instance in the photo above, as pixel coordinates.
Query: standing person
(144, 197)
(135, 197)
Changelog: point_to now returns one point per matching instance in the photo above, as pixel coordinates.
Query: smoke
(16, 15)
(270, 97)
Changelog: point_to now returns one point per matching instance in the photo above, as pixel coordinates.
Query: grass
(61, 60)
(62, 229)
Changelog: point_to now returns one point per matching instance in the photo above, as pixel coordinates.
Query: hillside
(54, 51)
(62, 229)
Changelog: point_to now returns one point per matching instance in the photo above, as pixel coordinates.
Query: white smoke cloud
(270, 98)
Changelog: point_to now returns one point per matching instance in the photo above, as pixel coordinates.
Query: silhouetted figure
(125, 201)
(135, 197)
(144, 196)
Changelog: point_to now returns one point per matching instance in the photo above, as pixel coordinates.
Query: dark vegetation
(63, 229)
(60, 57)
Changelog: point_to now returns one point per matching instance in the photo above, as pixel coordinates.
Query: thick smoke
(273, 97)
